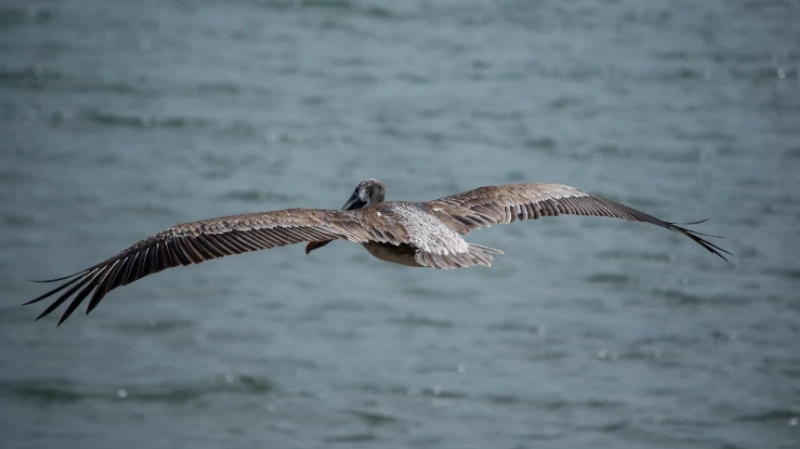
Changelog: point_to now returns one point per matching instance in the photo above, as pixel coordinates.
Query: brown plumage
(485, 206)
(414, 234)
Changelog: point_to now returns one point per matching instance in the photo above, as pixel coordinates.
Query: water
(119, 119)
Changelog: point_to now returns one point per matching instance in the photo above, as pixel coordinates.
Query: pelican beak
(354, 203)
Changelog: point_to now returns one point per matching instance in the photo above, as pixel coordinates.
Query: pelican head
(366, 193)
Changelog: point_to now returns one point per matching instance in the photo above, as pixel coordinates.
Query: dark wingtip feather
(689, 223)
(80, 273)
(64, 296)
(52, 292)
(64, 317)
(81, 296)
(45, 281)
(694, 235)
(693, 231)
(104, 286)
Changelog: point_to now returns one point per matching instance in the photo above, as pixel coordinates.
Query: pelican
(427, 234)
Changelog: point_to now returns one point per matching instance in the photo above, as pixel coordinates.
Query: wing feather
(197, 242)
(483, 206)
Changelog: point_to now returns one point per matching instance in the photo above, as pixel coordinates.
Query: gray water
(119, 119)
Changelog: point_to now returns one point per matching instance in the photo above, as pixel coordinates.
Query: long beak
(354, 203)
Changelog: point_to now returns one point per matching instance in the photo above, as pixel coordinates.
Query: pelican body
(416, 234)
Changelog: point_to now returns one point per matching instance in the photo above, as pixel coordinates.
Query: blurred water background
(121, 118)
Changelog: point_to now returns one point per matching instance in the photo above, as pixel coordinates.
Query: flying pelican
(408, 233)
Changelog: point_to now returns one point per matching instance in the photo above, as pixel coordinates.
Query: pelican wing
(197, 242)
(484, 206)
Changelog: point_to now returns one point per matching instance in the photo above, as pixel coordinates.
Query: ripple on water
(60, 390)
(227, 88)
(679, 297)
(46, 79)
(257, 196)
(145, 121)
(30, 77)
(512, 326)
(618, 279)
(546, 145)
(565, 102)
(773, 415)
(352, 438)
(684, 298)
(415, 321)
(785, 273)
(409, 391)
(153, 326)
(793, 153)
(11, 220)
(372, 418)
(11, 16)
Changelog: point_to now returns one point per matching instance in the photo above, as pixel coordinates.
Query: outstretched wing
(197, 242)
(504, 204)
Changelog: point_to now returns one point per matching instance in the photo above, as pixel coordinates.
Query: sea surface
(121, 118)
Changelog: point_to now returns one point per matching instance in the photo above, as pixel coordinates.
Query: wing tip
(689, 223)
(64, 278)
(696, 236)
(62, 319)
